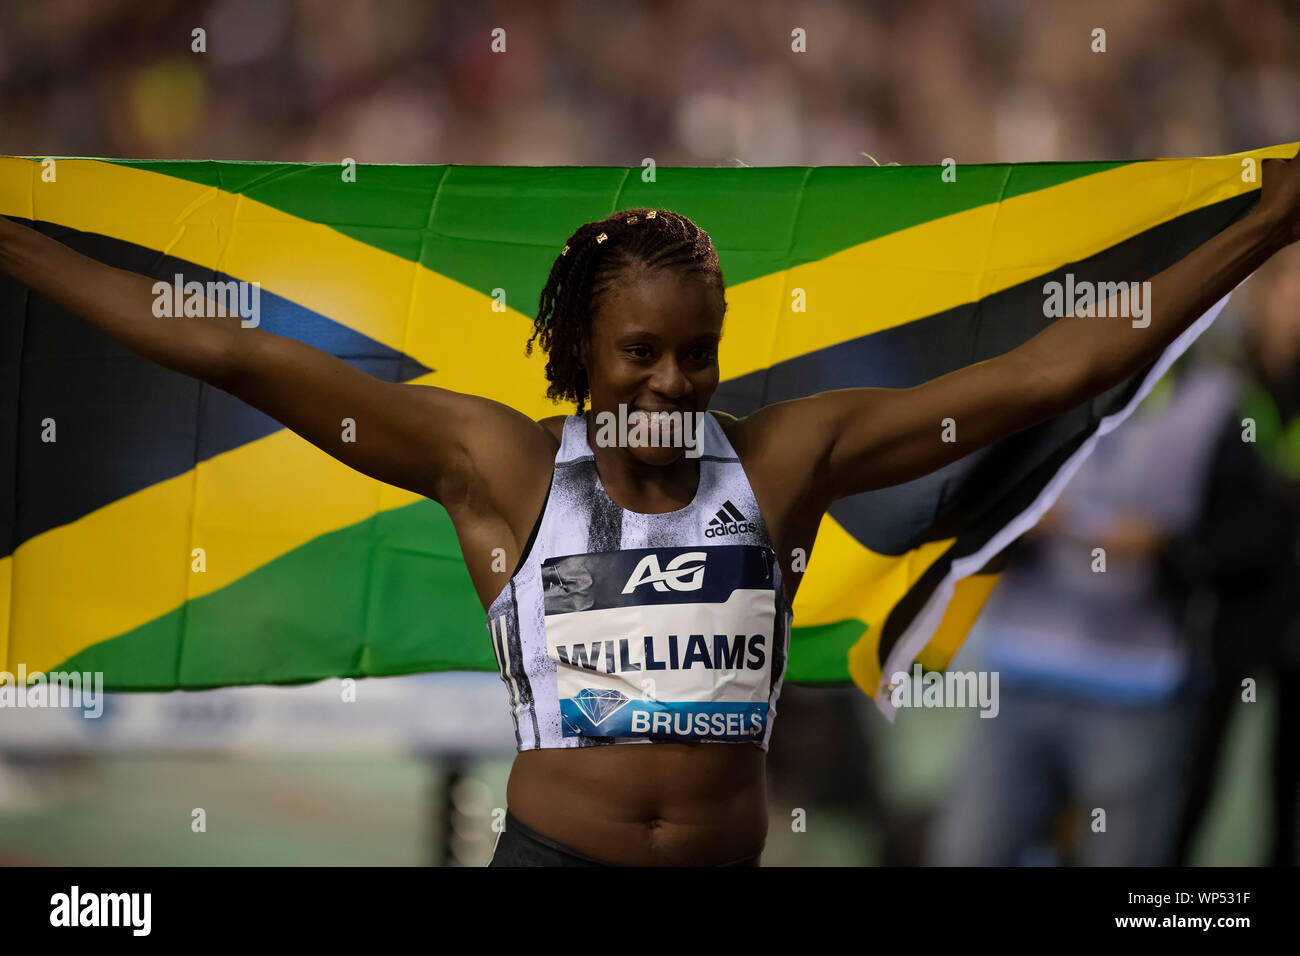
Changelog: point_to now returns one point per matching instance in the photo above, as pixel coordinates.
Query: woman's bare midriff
(662, 804)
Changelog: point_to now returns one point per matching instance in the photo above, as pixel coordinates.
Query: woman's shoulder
(732, 427)
(553, 425)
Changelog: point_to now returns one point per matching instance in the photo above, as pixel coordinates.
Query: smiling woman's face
(654, 347)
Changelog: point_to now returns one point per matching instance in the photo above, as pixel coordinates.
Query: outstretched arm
(866, 438)
(427, 440)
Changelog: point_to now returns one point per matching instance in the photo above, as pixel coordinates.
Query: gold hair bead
(564, 251)
(631, 220)
(601, 238)
(650, 214)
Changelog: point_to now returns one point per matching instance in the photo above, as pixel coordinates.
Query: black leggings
(519, 845)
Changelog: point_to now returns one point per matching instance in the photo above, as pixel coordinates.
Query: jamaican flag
(160, 531)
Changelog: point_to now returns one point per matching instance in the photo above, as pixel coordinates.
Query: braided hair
(595, 257)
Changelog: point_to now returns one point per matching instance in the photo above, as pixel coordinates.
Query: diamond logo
(599, 705)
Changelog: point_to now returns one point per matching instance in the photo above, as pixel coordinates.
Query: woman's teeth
(658, 422)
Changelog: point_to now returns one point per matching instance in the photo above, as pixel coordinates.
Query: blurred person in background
(1243, 548)
(1085, 630)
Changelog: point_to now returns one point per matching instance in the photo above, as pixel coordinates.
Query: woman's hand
(861, 439)
(450, 447)
(1279, 197)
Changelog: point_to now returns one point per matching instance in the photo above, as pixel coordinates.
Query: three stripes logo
(728, 520)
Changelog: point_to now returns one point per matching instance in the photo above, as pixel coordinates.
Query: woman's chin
(658, 457)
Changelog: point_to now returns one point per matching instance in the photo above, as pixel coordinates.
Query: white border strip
(927, 621)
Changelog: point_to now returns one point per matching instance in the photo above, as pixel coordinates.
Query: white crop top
(620, 627)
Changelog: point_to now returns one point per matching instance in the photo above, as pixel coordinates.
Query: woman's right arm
(440, 444)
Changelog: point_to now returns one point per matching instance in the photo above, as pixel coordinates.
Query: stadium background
(412, 775)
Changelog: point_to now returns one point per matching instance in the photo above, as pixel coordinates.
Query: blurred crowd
(1116, 688)
(700, 83)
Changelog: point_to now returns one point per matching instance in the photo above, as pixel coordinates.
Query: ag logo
(673, 575)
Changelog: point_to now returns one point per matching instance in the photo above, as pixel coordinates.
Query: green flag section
(160, 531)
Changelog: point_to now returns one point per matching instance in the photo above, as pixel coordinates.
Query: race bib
(662, 642)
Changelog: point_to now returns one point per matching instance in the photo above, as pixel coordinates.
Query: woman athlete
(632, 315)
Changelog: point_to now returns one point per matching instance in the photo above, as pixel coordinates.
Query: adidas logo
(728, 520)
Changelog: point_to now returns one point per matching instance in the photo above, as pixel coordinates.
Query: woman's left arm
(868, 438)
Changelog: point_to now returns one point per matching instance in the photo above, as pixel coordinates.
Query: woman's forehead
(660, 299)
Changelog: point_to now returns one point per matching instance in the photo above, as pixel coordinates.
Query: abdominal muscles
(672, 804)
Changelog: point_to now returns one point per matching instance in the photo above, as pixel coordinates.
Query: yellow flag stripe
(134, 560)
(964, 257)
(437, 321)
(969, 598)
(869, 287)
(845, 580)
(429, 317)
